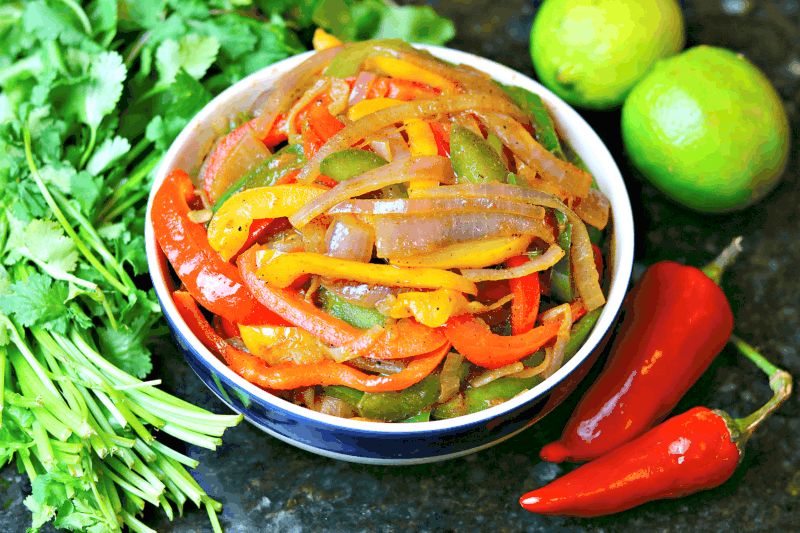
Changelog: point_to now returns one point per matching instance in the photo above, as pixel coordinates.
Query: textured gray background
(269, 486)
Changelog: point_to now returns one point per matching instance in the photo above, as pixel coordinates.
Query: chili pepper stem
(779, 381)
(716, 268)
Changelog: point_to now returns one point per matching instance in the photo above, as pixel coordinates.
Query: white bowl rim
(570, 124)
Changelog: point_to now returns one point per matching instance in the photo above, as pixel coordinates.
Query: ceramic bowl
(368, 442)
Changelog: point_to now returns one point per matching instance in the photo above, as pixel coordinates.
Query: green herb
(91, 96)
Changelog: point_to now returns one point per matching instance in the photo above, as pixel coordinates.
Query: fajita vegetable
(420, 186)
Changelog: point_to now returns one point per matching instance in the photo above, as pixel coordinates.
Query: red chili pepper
(525, 307)
(291, 375)
(696, 450)
(400, 89)
(677, 320)
(213, 282)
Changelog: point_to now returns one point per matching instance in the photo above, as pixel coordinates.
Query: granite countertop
(267, 485)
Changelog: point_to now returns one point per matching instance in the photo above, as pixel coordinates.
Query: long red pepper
(693, 451)
(677, 320)
(213, 282)
(525, 306)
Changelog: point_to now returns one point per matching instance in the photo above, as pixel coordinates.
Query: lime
(708, 129)
(591, 53)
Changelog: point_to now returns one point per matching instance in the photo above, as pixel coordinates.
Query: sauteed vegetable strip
(412, 197)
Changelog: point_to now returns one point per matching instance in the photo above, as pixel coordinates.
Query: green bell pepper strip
(398, 405)
(349, 396)
(474, 160)
(543, 127)
(489, 395)
(267, 173)
(355, 315)
(347, 63)
(422, 416)
(349, 163)
(561, 273)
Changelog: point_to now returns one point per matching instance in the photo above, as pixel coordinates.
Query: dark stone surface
(267, 485)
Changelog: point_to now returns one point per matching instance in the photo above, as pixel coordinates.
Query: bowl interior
(187, 150)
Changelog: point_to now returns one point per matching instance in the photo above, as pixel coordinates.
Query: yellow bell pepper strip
(397, 68)
(409, 339)
(469, 254)
(277, 344)
(474, 340)
(420, 138)
(366, 107)
(292, 375)
(281, 269)
(322, 40)
(434, 308)
(228, 230)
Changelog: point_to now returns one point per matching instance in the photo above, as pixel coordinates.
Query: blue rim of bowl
(567, 121)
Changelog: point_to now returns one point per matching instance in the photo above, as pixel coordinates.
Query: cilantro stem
(167, 507)
(135, 152)
(148, 497)
(87, 27)
(62, 219)
(89, 147)
(134, 479)
(2, 380)
(43, 449)
(135, 524)
(53, 425)
(144, 450)
(179, 457)
(212, 515)
(30, 470)
(110, 491)
(129, 201)
(131, 184)
(192, 437)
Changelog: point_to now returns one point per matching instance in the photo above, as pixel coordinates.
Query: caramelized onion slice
(419, 206)
(581, 256)
(593, 209)
(349, 238)
(426, 167)
(399, 236)
(537, 264)
(561, 173)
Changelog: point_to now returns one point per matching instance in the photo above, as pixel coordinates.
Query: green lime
(708, 129)
(591, 53)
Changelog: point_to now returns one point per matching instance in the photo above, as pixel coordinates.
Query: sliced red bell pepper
(598, 259)
(277, 134)
(292, 375)
(320, 127)
(525, 307)
(411, 338)
(326, 180)
(474, 340)
(400, 89)
(213, 282)
(441, 134)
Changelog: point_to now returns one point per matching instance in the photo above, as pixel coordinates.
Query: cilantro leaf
(98, 95)
(193, 53)
(415, 24)
(37, 301)
(43, 241)
(107, 153)
(125, 346)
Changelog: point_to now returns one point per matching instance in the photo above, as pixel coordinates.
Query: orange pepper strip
(474, 340)
(291, 375)
(410, 338)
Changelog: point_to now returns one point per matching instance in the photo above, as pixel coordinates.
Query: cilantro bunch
(91, 96)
